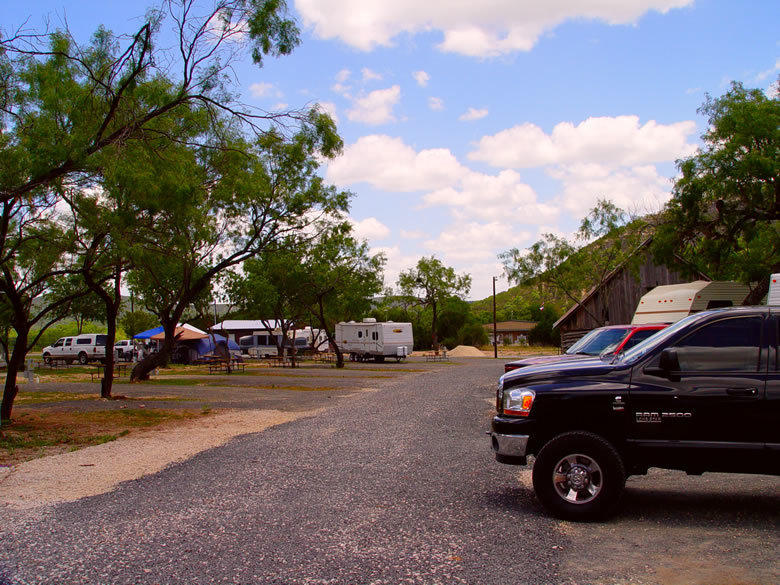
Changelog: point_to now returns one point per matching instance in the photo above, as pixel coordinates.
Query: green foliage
(724, 218)
(135, 322)
(543, 333)
(472, 334)
(430, 284)
(568, 269)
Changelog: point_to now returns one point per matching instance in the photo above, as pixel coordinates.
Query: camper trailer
(262, 344)
(670, 303)
(372, 340)
(773, 298)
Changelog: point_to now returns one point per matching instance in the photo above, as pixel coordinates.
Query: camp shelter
(183, 333)
(190, 349)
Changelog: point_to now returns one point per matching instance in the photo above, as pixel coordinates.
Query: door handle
(742, 391)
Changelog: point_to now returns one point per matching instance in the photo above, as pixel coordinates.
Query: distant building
(517, 331)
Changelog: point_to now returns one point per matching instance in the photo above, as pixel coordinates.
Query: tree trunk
(14, 366)
(434, 336)
(160, 359)
(108, 379)
(762, 288)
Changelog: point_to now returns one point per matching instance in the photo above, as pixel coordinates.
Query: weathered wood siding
(624, 290)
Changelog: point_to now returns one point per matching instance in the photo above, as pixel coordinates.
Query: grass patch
(44, 397)
(33, 434)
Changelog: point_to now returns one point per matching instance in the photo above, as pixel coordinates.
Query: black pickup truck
(701, 395)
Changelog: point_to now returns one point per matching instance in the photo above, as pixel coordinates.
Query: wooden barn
(621, 290)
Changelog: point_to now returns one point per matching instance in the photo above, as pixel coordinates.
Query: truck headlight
(518, 402)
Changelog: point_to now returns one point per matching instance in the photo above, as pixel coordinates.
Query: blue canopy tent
(148, 333)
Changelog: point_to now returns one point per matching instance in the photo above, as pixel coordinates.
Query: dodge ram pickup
(700, 395)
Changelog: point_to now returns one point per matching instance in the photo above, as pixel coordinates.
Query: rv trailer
(372, 340)
(672, 302)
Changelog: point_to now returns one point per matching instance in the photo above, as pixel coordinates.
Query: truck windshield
(597, 341)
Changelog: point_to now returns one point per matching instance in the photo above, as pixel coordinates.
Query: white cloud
(370, 75)
(389, 164)
(370, 229)
(473, 114)
(638, 188)
(469, 28)
(421, 77)
(376, 107)
(436, 104)
(769, 72)
(413, 234)
(611, 141)
(342, 89)
(343, 75)
(397, 261)
(493, 197)
(259, 90)
(471, 241)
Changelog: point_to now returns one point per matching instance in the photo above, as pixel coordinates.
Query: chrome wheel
(577, 478)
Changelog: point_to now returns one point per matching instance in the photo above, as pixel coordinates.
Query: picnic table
(226, 366)
(436, 356)
(120, 370)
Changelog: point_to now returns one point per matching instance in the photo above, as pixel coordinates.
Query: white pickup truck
(84, 348)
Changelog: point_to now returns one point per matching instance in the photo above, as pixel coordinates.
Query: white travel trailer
(773, 298)
(672, 302)
(372, 340)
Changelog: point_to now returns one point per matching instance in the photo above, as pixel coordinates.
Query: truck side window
(638, 336)
(728, 345)
(360, 334)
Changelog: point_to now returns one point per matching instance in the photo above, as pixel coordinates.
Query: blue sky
(474, 127)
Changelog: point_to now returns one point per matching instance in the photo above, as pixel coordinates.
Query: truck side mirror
(668, 363)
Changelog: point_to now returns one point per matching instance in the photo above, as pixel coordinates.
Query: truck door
(713, 398)
(66, 350)
(772, 411)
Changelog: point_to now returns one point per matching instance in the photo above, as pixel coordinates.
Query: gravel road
(391, 486)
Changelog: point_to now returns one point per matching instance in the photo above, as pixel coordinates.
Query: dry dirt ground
(97, 469)
(239, 403)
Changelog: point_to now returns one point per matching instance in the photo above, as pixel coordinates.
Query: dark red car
(604, 341)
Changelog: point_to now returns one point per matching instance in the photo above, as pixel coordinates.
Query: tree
(134, 322)
(69, 112)
(78, 104)
(607, 238)
(342, 277)
(724, 215)
(272, 285)
(236, 204)
(431, 283)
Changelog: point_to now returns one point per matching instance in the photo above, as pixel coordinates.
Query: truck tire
(579, 476)
(83, 359)
(46, 359)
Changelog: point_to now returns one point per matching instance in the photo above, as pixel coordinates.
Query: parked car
(605, 341)
(701, 395)
(124, 350)
(84, 348)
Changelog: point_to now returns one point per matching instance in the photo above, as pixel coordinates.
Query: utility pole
(495, 336)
